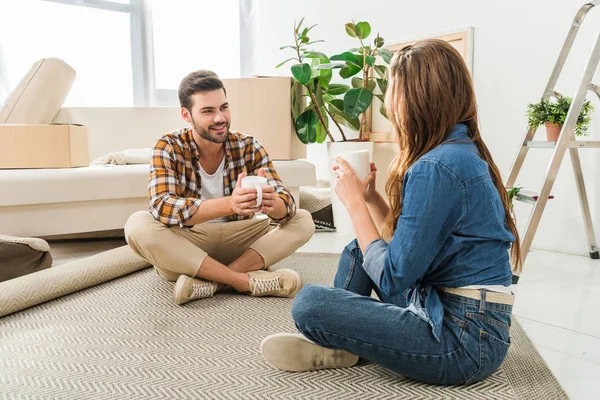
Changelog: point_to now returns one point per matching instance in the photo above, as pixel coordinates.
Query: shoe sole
(178, 289)
(295, 354)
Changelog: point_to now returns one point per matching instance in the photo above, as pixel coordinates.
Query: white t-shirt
(212, 186)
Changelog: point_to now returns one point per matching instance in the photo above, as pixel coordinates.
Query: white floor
(558, 304)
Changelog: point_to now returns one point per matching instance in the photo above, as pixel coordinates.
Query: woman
(442, 270)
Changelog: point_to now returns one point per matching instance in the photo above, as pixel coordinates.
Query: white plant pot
(341, 218)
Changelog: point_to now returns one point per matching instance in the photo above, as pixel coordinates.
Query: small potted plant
(553, 115)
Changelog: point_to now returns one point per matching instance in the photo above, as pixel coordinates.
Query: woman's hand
(369, 183)
(348, 187)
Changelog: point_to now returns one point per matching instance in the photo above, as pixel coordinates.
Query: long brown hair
(430, 90)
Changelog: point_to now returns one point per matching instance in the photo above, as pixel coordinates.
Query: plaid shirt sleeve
(262, 160)
(166, 202)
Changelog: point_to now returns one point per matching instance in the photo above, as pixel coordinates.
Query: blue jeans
(473, 344)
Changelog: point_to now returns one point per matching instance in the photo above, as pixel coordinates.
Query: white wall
(516, 44)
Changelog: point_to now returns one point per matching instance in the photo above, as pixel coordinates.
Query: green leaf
(356, 101)
(381, 97)
(305, 40)
(302, 73)
(283, 62)
(358, 83)
(319, 96)
(349, 71)
(315, 54)
(325, 77)
(378, 41)
(386, 55)
(330, 65)
(382, 111)
(350, 29)
(370, 60)
(362, 30)
(300, 24)
(352, 123)
(287, 47)
(382, 83)
(361, 50)
(321, 131)
(381, 70)
(297, 97)
(335, 89)
(314, 41)
(306, 126)
(309, 29)
(360, 60)
(336, 106)
(346, 56)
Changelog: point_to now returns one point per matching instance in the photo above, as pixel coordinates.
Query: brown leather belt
(490, 297)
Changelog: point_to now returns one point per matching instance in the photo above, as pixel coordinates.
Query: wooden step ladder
(565, 141)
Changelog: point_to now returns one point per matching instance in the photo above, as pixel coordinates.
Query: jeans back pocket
(492, 352)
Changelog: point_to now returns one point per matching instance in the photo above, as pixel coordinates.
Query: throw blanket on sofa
(124, 157)
(21, 256)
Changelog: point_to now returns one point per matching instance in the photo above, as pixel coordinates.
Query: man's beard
(206, 133)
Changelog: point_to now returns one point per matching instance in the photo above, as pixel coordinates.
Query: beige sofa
(74, 201)
(49, 202)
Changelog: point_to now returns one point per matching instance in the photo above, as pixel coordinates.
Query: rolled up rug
(39, 287)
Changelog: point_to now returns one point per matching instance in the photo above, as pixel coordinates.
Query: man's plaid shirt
(174, 184)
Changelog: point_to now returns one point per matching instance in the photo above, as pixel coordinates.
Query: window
(190, 35)
(125, 52)
(94, 41)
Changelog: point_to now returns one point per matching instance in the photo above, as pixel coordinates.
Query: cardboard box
(43, 146)
(261, 107)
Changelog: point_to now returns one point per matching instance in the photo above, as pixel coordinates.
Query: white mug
(255, 182)
(359, 160)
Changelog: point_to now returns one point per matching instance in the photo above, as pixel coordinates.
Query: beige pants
(174, 251)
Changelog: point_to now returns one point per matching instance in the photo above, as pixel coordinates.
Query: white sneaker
(187, 289)
(293, 352)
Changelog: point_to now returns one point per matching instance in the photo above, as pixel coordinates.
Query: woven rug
(125, 339)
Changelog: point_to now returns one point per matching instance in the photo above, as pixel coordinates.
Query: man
(201, 230)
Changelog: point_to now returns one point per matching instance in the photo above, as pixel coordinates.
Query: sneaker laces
(201, 290)
(266, 285)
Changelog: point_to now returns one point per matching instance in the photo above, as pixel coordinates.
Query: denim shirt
(451, 231)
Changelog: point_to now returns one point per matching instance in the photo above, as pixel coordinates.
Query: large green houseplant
(341, 103)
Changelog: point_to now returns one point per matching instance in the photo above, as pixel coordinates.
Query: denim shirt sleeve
(374, 259)
(433, 205)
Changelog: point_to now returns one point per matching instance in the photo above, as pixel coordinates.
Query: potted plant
(324, 104)
(337, 102)
(553, 115)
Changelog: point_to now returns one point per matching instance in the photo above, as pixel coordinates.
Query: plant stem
(313, 99)
(363, 116)
(336, 123)
(318, 111)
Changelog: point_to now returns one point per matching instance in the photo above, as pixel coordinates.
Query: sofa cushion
(43, 186)
(40, 94)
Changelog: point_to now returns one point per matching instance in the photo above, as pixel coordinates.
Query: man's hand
(243, 200)
(269, 195)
